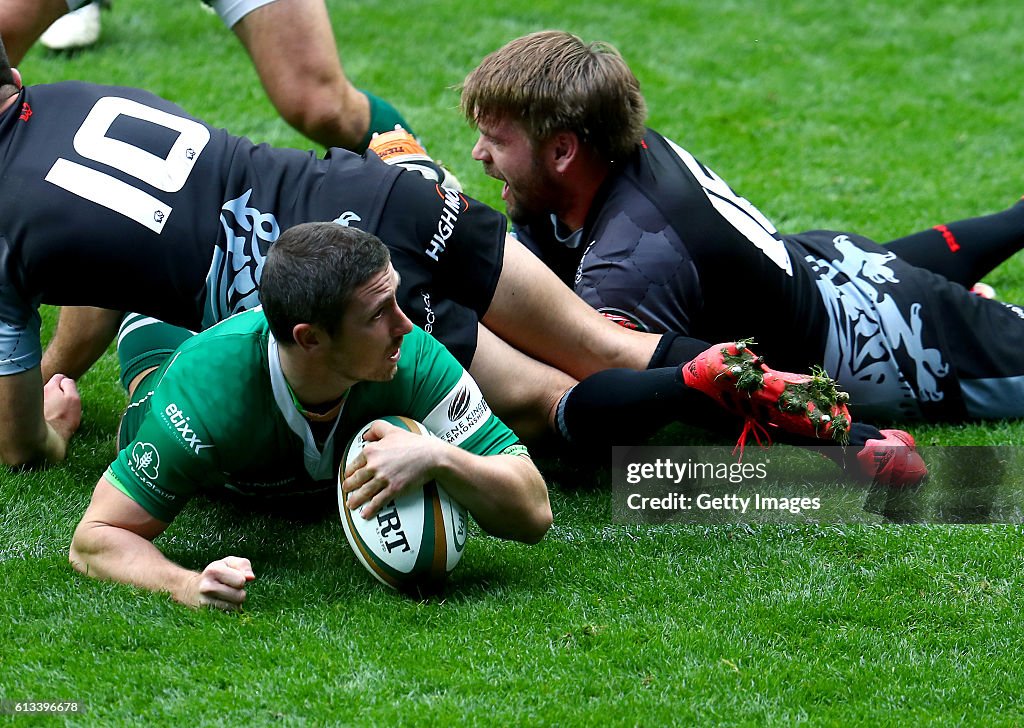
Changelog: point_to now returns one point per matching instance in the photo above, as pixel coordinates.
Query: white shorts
(230, 11)
(20, 346)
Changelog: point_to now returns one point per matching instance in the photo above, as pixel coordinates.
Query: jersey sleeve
(163, 467)
(445, 240)
(449, 402)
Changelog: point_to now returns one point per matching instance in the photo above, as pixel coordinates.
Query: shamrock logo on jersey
(146, 460)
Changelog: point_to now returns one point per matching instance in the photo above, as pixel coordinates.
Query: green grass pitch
(881, 117)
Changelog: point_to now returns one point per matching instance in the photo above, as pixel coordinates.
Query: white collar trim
(319, 465)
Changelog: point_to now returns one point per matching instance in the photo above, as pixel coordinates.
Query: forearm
(505, 493)
(116, 554)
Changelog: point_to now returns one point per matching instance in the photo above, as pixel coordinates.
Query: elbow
(538, 524)
(80, 549)
(536, 517)
(523, 522)
(75, 557)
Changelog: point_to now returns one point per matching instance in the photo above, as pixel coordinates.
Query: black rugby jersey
(116, 198)
(668, 246)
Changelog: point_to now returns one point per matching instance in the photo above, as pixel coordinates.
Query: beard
(533, 197)
(520, 214)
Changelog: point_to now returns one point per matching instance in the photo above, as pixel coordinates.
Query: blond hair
(552, 81)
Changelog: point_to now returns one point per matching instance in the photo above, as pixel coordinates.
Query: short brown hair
(552, 81)
(311, 272)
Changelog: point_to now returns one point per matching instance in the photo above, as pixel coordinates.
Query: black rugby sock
(674, 350)
(967, 250)
(625, 407)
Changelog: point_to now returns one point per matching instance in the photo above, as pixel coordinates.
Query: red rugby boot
(808, 405)
(893, 460)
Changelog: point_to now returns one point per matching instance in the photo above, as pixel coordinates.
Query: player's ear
(563, 148)
(307, 336)
(17, 77)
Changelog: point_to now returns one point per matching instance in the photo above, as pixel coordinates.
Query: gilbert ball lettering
(390, 529)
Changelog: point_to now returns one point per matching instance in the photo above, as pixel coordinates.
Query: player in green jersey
(264, 402)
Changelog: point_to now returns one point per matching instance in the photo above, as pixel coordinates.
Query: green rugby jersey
(222, 415)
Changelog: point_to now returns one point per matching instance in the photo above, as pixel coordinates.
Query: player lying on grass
(164, 215)
(264, 402)
(653, 238)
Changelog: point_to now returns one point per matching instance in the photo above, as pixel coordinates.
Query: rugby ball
(414, 541)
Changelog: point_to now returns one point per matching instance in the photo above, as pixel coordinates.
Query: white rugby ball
(414, 541)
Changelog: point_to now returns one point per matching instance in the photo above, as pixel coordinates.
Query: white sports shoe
(76, 29)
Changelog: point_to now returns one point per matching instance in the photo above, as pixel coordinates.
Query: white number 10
(167, 174)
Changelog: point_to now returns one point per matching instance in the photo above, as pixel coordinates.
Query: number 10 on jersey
(167, 174)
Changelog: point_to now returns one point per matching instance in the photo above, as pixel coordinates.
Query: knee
(325, 111)
(531, 411)
(17, 453)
